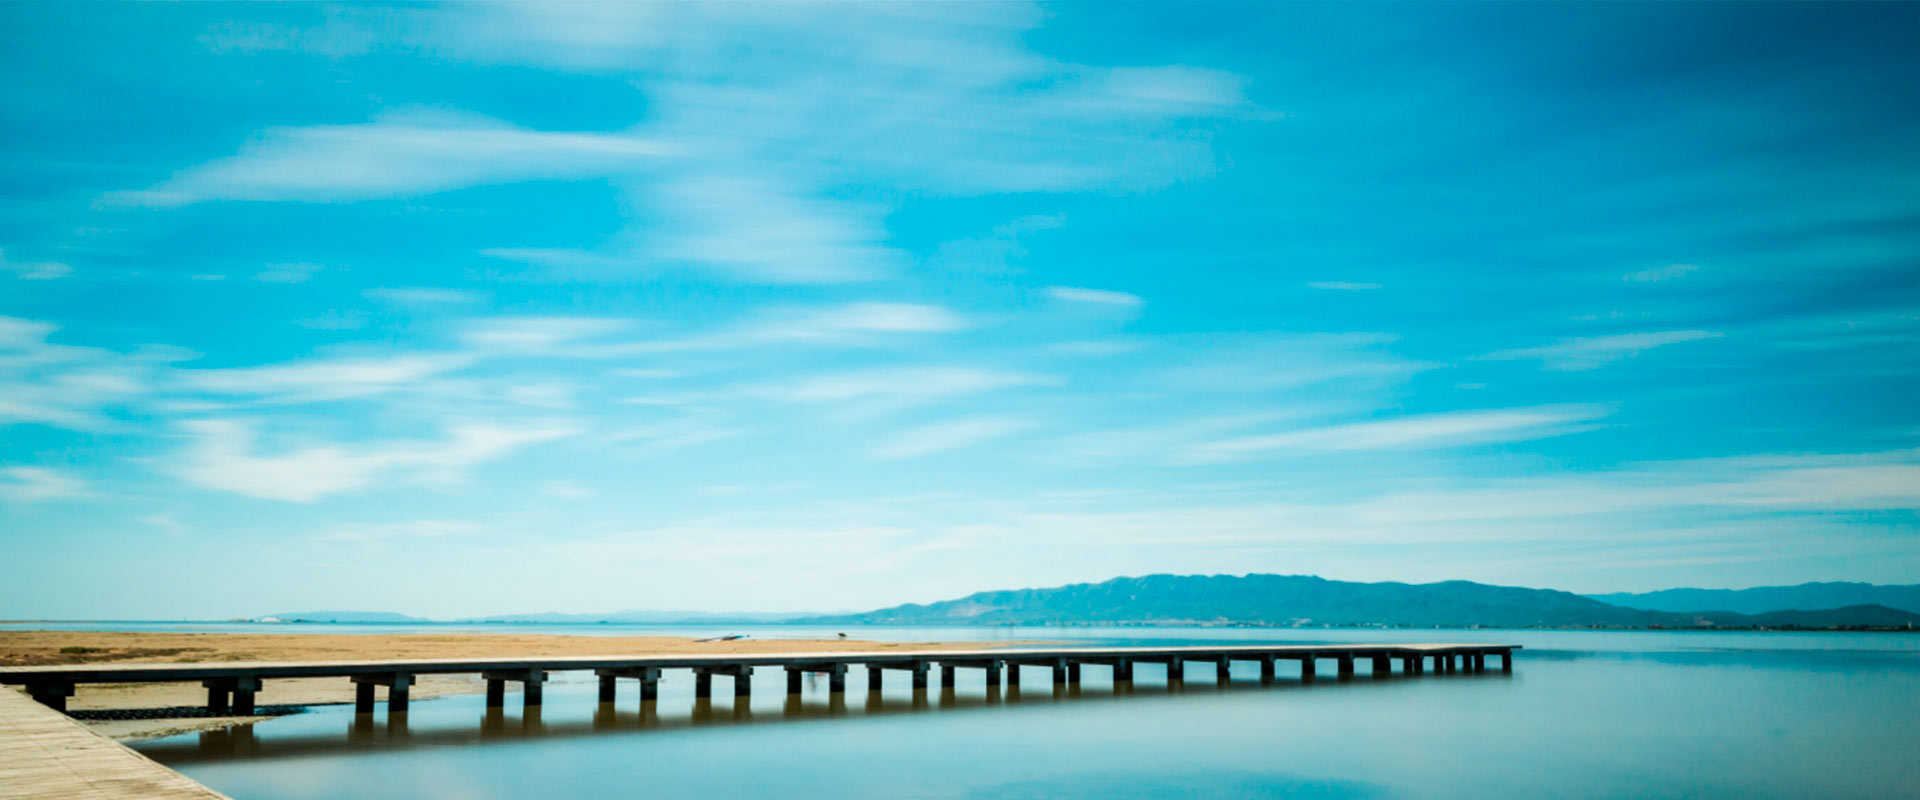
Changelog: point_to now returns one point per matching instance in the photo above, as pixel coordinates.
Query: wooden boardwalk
(44, 754)
(232, 686)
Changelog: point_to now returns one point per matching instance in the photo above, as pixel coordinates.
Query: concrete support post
(1267, 669)
(1306, 668)
(702, 684)
(743, 683)
(1176, 671)
(362, 697)
(1013, 675)
(837, 679)
(649, 686)
(1073, 672)
(607, 690)
(946, 676)
(243, 693)
(993, 673)
(919, 676)
(793, 682)
(496, 693)
(873, 677)
(1506, 661)
(51, 694)
(398, 689)
(1123, 671)
(531, 682)
(1059, 673)
(1346, 666)
(216, 697)
(1382, 666)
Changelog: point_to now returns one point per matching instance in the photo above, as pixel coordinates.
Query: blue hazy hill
(1765, 599)
(1312, 601)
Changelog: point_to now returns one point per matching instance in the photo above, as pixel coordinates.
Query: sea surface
(1584, 714)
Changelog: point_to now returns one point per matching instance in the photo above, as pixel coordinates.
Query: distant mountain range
(1311, 601)
(1764, 599)
(1305, 600)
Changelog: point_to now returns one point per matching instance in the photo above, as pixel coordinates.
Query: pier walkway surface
(44, 754)
(231, 686)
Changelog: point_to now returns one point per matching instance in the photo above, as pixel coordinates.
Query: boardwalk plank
(44, 754)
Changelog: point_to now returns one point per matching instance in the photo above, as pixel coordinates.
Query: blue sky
(491, 308)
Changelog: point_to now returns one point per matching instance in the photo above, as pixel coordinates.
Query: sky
(478, 309)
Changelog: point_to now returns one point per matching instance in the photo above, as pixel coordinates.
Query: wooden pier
(231, 687)
(44, 754)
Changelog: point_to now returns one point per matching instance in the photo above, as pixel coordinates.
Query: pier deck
(44, 754)
(231, 686)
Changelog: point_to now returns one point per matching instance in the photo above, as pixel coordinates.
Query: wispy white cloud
(1107, 297)
(848, 324)
(380, 532)
(903, 382)
(68, 386)
(857, 320)
(649, 441)
(399, 154)
(295, 272)
(944, 436)
(1821, 482)
(34, 270)
(1452, 429)
(223, 455)
(326, 379)
(755, 230)
(334, 319)
(422, 296)
(995, 252)
(566, 490)
(23, 484)
(1272, 362)
(1597, 351)
(899, 101)
(538, 335)
(1659, 274)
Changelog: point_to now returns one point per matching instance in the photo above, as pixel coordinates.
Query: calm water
(1585, 714)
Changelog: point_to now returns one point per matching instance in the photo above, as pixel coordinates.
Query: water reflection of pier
(369, 731)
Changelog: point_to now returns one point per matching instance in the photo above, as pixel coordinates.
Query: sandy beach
(29, 648)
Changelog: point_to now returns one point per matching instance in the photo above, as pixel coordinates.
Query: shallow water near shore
(1584, 714)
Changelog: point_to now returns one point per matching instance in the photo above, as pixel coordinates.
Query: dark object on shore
(727, 638)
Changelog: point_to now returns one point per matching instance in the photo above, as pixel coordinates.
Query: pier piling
(52, 694)
(397, 684)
